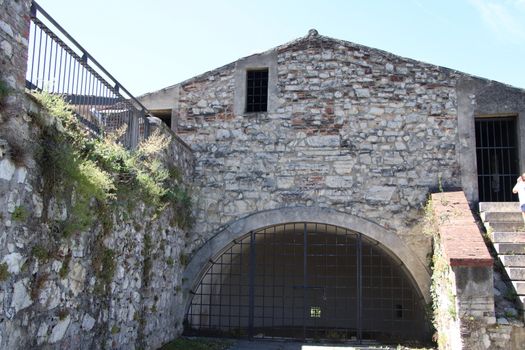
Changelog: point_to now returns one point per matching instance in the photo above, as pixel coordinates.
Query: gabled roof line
(314, 35)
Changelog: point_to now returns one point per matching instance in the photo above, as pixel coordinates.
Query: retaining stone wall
(49, 290)
(50, 297)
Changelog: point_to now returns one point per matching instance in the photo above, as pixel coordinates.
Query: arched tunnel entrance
(311, 281)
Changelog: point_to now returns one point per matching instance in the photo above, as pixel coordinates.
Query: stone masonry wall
(14, 35)
(52, 295)
(50, 291)
(354, 129)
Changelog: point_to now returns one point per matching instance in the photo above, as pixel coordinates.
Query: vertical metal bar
(80, 94)
(51, 42)
(252, 286)
(44, 64)
(494, 166)
(71, 78)
(482, 191)
(305, 277)
(60, 73)
(33, 58)
(273, 247)
(39, 56)
(359, 289)
(505, 193)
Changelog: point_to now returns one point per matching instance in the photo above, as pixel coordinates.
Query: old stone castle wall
(358, 130)
(52, 295)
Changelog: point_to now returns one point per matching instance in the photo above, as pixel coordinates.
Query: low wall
(115, 284)
(462, 281)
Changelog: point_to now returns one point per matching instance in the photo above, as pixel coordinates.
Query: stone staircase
(506, 230)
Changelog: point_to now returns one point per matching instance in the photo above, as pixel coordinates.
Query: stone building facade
(350, 144)
(349, 130)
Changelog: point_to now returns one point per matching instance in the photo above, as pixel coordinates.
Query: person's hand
(519, 179)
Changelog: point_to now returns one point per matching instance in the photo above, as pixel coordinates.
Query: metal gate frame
(497, 157)
(242, 306)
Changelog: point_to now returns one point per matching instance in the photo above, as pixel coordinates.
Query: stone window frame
(500, 103)
(255, 62)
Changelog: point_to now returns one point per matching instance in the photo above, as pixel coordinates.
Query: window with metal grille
(257, 90)
(497, 158)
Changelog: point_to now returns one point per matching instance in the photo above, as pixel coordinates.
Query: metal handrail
(95, 94)
(35, 6)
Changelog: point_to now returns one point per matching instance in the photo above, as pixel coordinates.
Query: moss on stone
(4, 272)
(20, 214)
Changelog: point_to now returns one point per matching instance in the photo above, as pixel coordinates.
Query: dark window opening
(257, 90)
(497, 158)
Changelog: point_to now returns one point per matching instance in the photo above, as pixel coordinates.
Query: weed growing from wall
(443, 299)
(102, 169)
(20, 214)
(4, 272)
(5, 90)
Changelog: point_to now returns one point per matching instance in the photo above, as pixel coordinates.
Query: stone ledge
(463, 245)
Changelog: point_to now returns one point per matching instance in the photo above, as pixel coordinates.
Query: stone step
(508, 237)
(521, 302)
(498, 206)
(505, 226)
(519, 287)
(510, 248)
(516, 273)
(512, 260)
(499, 216)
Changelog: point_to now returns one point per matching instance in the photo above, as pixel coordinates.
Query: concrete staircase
(506, 230)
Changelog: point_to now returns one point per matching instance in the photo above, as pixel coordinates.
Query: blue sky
(148, 45)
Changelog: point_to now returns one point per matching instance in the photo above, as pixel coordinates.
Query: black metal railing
(58, 64)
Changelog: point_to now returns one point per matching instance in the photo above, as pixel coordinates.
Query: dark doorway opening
(497, 158)
(307, 281)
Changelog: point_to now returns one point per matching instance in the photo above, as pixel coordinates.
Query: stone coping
(463, 245)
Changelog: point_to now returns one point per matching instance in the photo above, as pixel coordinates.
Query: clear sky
(148, 45)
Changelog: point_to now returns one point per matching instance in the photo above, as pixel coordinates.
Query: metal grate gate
(307, 281)
(497, 158)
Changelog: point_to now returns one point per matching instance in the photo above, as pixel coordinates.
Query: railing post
(147, 126)
(134, 128)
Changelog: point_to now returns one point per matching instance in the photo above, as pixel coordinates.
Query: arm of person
(516, 186)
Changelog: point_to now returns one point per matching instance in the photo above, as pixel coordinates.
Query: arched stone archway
(389, 241)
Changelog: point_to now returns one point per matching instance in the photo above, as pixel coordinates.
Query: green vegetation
(148, 260)
(184, 343)
(443, 309)
(4, 273)
(4, 91)
(170, 261)
(104, 264)
(62, 314)
(115, 329)
(104, 170)
(64, 269)
(97, 177)
(40, 253)
(183, 259)
(20, 214)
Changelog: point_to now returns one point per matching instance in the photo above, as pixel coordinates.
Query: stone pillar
(14, 38)
(462, 276)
